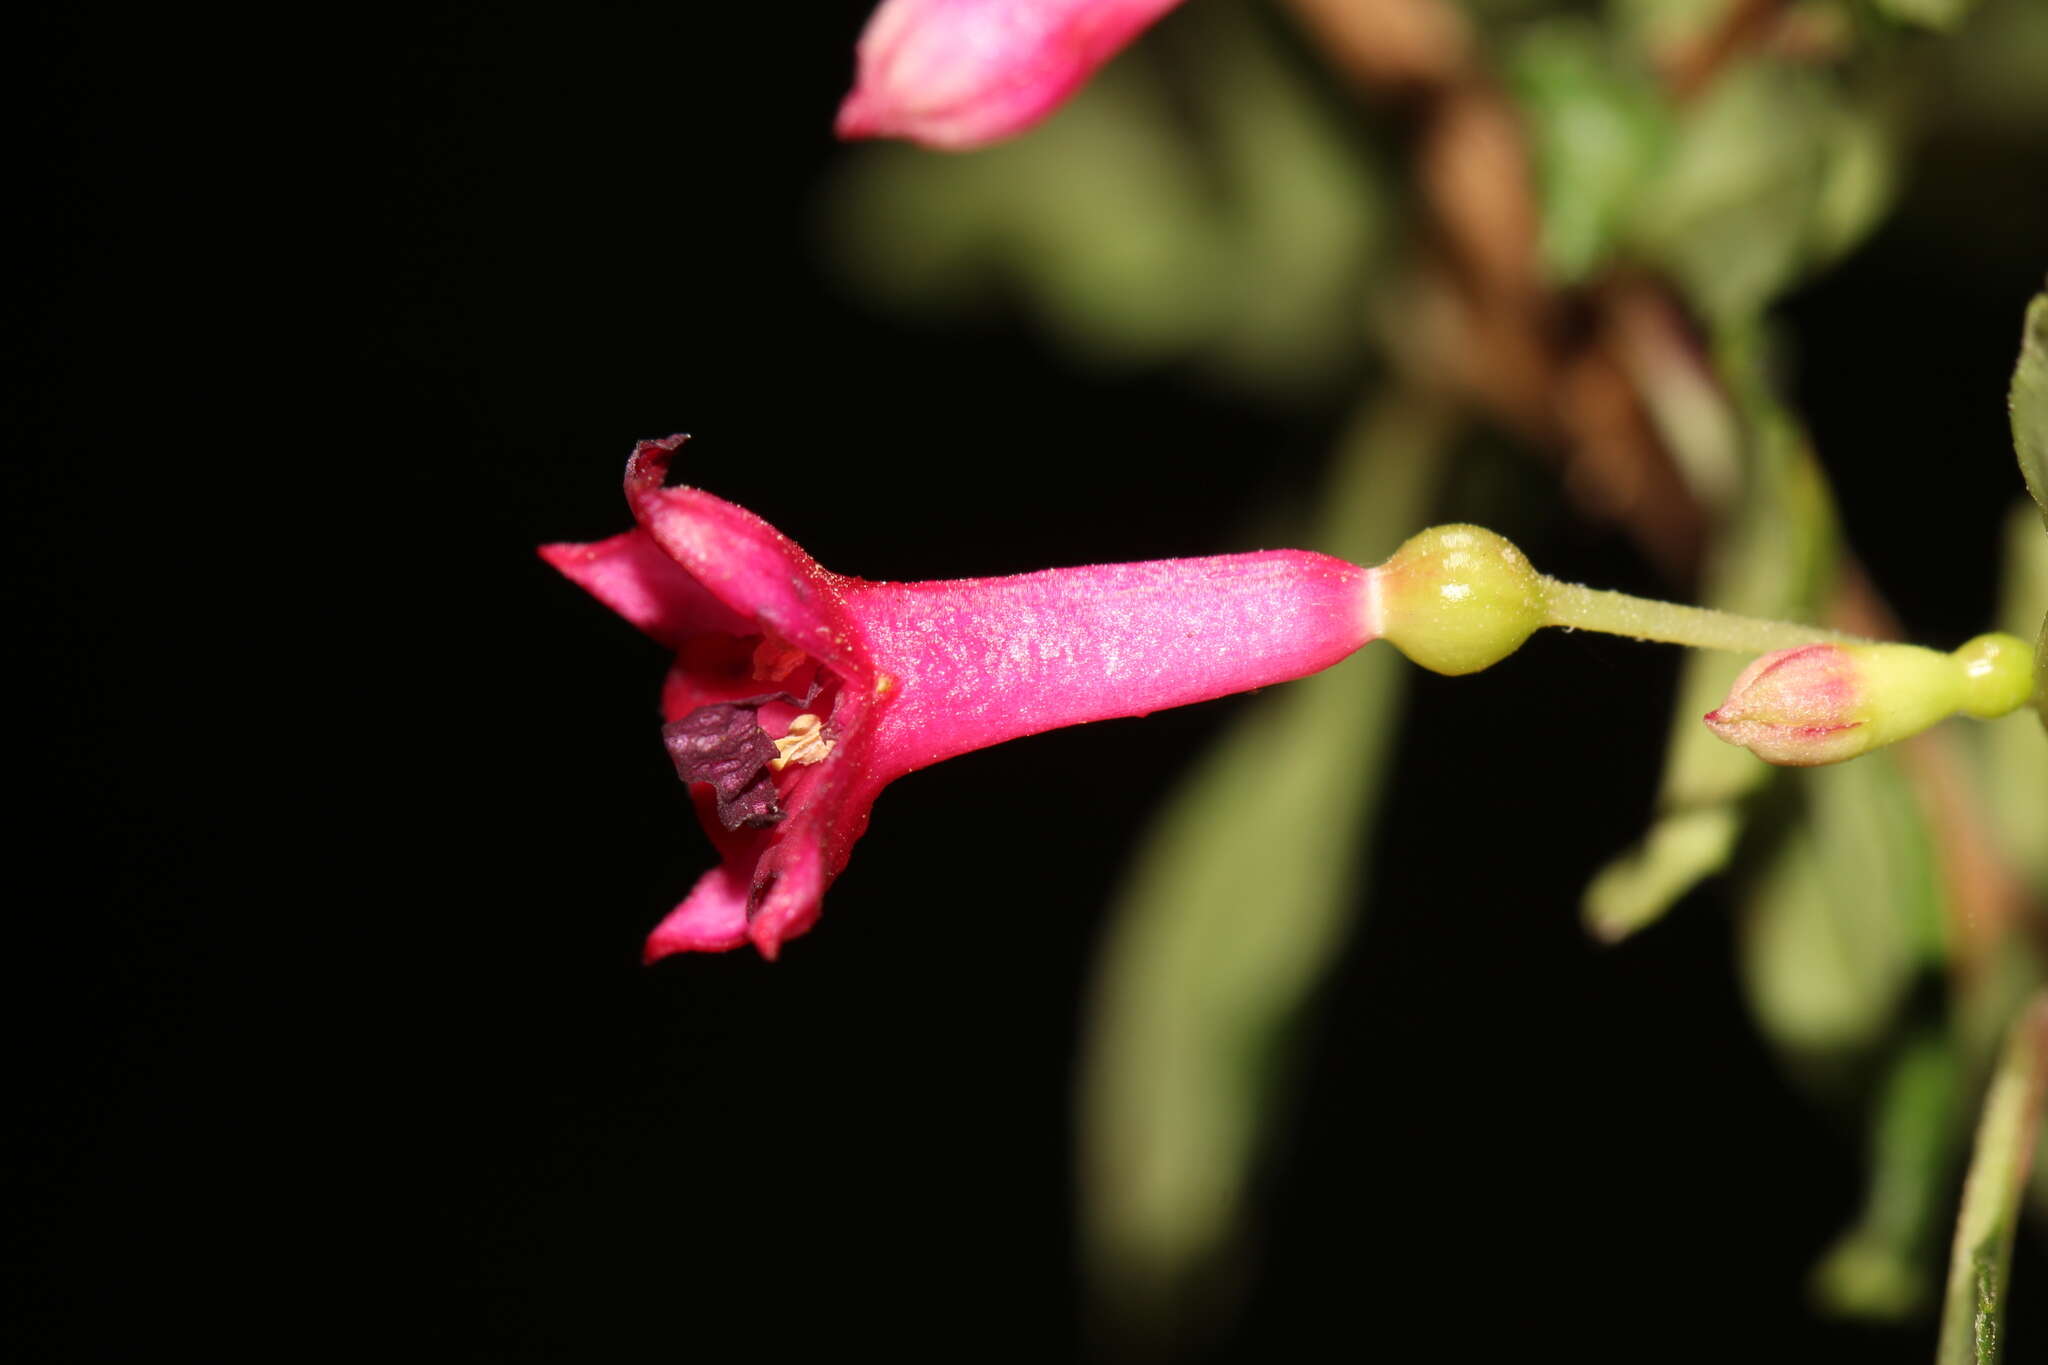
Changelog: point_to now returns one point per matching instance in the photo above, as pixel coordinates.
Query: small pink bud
(1823, 703)
(956, 74)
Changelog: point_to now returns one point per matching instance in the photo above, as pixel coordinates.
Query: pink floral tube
(797, 694)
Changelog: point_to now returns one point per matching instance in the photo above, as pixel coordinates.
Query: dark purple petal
(724, 746)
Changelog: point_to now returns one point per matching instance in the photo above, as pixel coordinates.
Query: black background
(342, 820)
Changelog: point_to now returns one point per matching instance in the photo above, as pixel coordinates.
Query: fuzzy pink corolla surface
(957, 74)
(903, 675)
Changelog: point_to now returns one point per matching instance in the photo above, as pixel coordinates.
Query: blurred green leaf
(1137, 229)
(1808, 983)
(1882, 859)
(1101, 220)
(1728, 214)
(1656, 27)
(1859, 181)
(1236, 903)
(1973, 1312)
(1774, 559)
(1111, 227)
(2041, 675)
(2029, 403)
(1992, 79)
(1935, 14)
(2011, 755)
(1773, 171)
(1307, 213)
(907, 237)
(1846, 915)
(1599, 125)
(1682, 848)
(1884, 1266)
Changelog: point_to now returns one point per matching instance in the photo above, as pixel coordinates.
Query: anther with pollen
(804, 745)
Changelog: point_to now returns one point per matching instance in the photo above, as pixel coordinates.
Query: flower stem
(1576, 607)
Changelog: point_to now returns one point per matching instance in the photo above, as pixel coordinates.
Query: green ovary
(1456, 599)
(1998, 674)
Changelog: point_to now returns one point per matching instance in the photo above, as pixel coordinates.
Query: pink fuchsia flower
(1823, 703)
(963, 73)
(797, 694)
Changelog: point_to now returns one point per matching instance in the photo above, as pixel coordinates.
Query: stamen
(804, 745)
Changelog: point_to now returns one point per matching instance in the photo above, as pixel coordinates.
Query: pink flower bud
(963, 73)
(1823, 703)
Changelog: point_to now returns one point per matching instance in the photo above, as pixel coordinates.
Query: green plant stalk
(1973, 1310)
(2041, 675)
(1459, 598)
(1576, 607)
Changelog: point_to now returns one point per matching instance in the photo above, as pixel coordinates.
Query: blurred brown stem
(1543, 360)
(1584, 372)
(1743, 24)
